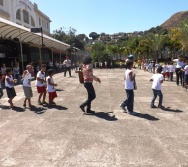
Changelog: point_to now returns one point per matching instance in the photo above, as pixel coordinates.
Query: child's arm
(9, 82)
(132, 77)
(50, 83)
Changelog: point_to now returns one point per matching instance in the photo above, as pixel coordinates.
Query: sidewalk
(65, 137)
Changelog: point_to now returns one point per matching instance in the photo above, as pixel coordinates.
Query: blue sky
(109, 16)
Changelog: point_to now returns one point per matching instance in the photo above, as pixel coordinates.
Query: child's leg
(29, 101)
(159, 93)
(25, 102)
(154, 97)
(130, 100)
(40, 95)
(44, 96)
(1, 93)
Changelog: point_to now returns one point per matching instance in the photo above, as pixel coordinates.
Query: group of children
(42, 83)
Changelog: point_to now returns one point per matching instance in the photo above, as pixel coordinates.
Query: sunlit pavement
(62, 136)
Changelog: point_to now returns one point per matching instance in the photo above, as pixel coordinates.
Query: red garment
(52, 95)
(41, 89)
(87, 73)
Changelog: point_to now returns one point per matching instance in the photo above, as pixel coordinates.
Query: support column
(21, 50)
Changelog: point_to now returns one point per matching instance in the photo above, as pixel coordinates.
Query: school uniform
(51, 89)
(27, 85)
(41, 88)
(11, 93)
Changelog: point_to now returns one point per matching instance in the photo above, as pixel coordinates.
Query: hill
(175, 19)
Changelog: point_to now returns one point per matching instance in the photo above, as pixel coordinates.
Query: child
(171, 70)
(9, 84)
(27, 78)
(167, 71)
(129, 86)
(50, 87)
(156, 86)
(186, 74)
(88, 83)
(164, 70)
(16, 72)
(40, 83)
(1, 90)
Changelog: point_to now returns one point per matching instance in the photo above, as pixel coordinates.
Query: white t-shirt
(16, 70)
(179, 63)
(10, 79)
(50, 88)
(186, 70)
(51, 64)
(105, 63)
(128, 83)
(3, 70)
(171, 68)
(157, 78)
(67, 63)
(41, 76)
(27, 80)
(164, 68)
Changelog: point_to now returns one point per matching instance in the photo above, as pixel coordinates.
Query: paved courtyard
(63, 136)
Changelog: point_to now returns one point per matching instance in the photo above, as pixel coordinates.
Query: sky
(109, 16)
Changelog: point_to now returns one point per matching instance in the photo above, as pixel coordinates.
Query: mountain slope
(175, 19)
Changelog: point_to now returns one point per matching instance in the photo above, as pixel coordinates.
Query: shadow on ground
(147, 116)
(58, 107)
(169, 109)
(59, 90)
(38, 110)
(15, 108)
(104, 115)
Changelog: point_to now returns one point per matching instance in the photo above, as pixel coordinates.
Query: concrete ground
(63, 136)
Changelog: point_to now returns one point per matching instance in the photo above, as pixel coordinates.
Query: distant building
(24, 13)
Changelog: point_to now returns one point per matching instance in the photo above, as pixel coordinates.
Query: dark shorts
(11, 93)
(41, 89)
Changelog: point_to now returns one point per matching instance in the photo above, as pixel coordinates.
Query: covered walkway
(12, 31)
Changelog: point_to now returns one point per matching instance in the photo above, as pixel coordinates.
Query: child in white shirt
(171, 69)
(129, 78)
(27, 78)
(156, 87)
(9, 84)
(51, 87)
(186, 74)
(164, 70)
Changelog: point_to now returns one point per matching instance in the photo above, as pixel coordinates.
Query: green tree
(154, 42)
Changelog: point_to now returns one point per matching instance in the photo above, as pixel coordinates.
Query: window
(25, 16)
(1, 2)
(32, 22)
(18, 14)
(39, 21)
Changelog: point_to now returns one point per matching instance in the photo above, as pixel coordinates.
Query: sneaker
(132, 113)
(82, 108)
(123, 108)
(39, 102)
(90, 112)
(44, 102)
(161, 106)
(153, 106)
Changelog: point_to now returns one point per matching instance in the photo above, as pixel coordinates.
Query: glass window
(1, 2)
(18, 14)
(25, 16)
(32, 22)
(39, 21)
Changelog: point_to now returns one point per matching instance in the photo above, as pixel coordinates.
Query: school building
(17, 42)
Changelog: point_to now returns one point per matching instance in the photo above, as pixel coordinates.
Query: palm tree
(154, 42)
